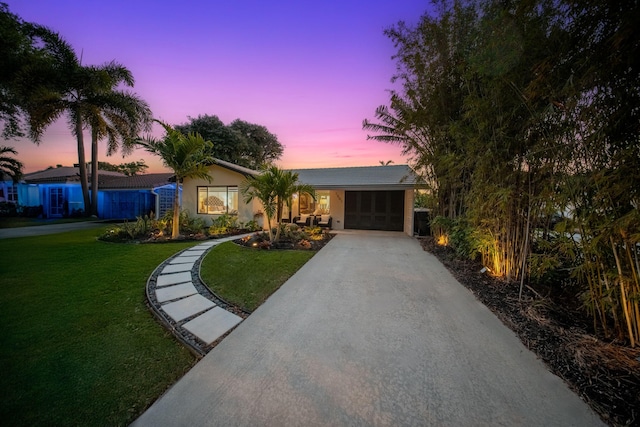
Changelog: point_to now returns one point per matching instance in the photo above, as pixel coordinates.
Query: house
(360, 198)
(369, 198)
(129, 197)
(209, 200)
(58, 192)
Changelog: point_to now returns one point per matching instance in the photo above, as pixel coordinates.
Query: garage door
(374, 210)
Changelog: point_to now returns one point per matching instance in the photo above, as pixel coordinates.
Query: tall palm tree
(8, 165)
(116, 115)
(185, 155)
(88, 97)
(274, 187)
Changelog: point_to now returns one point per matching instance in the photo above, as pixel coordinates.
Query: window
(309, 206)
(218, 200)
(12, 194)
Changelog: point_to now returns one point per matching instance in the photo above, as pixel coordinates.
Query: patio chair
(324, 221)
(303, 220)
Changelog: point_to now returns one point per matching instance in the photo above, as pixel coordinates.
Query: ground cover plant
(79, 346)
(245, 276)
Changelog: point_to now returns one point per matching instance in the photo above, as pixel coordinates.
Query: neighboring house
(8, 191)
(57, 190)
(369, 198)
(133, 196)
(59, 193)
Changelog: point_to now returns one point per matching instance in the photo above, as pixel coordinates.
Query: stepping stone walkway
(186, 306)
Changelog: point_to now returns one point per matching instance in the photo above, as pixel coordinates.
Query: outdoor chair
(303, 220)
(324, 221)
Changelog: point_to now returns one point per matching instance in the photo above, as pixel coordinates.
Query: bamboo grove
(523, 117)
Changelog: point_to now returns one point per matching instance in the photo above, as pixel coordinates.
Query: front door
(56, 202)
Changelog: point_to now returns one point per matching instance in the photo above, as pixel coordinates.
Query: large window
(218, 200)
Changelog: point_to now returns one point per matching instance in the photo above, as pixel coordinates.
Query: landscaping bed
(603, 373)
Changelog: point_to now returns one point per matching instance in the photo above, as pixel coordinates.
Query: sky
(310, 72)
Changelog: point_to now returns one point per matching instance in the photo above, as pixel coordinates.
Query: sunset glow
(309, 72)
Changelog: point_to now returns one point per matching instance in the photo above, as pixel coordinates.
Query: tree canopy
(243, 143)
(186, 155)
(517, 112)
(42, 79)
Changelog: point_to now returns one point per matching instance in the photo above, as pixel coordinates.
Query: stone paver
(195, 251)
(176, 268)
(169, 293)
(187, 307)
(173, 279)
(182, 259)
(179, 295)
(212, 324)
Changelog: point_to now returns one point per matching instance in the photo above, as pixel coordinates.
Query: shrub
(224, 224)
(252, 225)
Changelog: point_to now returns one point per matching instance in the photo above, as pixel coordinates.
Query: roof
(362, 177)
(138, 182)
(64, 174)
(240, 169)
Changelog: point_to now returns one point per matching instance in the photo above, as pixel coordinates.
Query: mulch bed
(604, 374)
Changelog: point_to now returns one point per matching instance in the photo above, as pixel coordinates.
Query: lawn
(245, 276)
(79, 346)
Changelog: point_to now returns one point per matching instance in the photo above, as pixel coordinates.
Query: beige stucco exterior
(221, 177)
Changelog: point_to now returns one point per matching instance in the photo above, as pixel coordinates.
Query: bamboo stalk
(625, 308)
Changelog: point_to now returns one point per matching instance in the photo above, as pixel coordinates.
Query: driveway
(41, 230)
(371, 331)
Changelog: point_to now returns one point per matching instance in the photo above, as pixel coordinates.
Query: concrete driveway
(371, 331)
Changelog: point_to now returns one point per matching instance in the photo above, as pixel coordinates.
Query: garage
(374, 210)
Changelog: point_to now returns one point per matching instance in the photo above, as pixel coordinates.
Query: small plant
(224, 224)
(265, 244)
(252, 225)
(304, 244)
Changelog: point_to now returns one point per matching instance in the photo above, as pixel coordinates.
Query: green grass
(246, 277)
(13, 222)
(78, 345)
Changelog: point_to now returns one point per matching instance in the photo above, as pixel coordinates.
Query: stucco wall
(408, 211)
(337, 209)
(221, 177)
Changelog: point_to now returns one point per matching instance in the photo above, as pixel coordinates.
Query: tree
(10, 166)
(43, 79)
(518, 110)
(129, 169)
(28, 65)
(242, 143)
(262, 147)
(186, 155)
(274, 187)
(115, 114)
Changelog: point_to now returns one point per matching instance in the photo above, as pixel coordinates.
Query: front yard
(79, 345)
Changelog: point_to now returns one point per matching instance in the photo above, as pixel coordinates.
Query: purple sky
(308, 71)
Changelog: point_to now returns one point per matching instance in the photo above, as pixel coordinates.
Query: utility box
(421, 222)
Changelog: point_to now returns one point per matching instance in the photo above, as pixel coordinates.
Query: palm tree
(185, 155)
(87, 95)
(274, 187)
(8, 165)
(115, 114)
